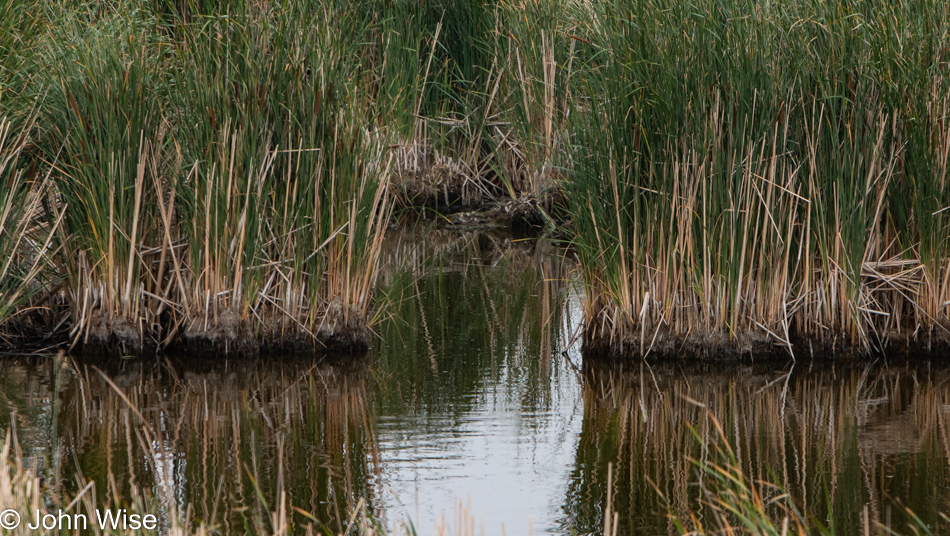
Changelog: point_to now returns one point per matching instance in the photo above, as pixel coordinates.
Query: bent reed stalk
(756, 178)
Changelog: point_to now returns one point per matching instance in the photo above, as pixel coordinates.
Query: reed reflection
(212, 439)
(475, 399)
(844, 441)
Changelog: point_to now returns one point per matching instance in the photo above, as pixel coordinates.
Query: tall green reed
(101, 122)
(22, 23)
(743, 170)
(284, 200)
(227, 176)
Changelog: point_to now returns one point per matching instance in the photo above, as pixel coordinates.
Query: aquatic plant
(738, 505)
(741, 178)
(530, 128)
(284, 204)
(25, 239)
(101, 123)
(221, 185)
(762, 177)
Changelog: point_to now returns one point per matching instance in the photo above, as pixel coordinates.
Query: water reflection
(217, 435)
(844, 441)
(475, 399)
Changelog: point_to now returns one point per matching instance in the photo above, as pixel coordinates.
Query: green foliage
(20, 26)
(102, 104)
(283, 171)
(732, 146)
(25, 243)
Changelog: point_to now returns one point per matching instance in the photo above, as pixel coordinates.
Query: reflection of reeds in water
(284, 450)
(496, 299)
(229, 446)
(838, 440)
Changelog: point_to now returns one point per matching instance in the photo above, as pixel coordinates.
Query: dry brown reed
(26, 240)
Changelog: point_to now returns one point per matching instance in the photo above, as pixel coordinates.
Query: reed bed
(739, 178)
(287, 202)
(482, 93)
(764, 177)
(225, 175)
(219, 177)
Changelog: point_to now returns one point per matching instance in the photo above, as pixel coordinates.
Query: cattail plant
(26, 240)
(283, 196)
(764, 178)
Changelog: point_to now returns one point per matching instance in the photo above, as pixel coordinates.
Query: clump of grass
(482, 95)
(101, 123)
(435, 72)
(26, 245)
(738, 505)
(285, 201)
(221, 184)
(755, 176)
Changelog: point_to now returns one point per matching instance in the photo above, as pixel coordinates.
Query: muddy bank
(229, 333)
(662, 343)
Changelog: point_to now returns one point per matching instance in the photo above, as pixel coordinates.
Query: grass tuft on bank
(764, 177)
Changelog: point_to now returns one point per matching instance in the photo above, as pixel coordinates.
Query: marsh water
(476, 403)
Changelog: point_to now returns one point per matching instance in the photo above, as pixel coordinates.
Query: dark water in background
(474, 394)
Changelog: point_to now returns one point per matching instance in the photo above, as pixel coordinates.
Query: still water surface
(475, 393)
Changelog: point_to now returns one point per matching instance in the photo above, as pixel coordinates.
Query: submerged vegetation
(735, 177)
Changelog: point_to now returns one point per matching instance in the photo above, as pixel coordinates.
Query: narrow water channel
(474, 397)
